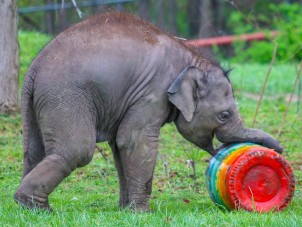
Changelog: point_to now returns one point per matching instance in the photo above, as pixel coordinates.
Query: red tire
(260, 180)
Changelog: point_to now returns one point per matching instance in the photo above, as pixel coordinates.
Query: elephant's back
(103, 42)
(109, 25)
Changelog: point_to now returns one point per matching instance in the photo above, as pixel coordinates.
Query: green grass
(89, 196)
(30, 43)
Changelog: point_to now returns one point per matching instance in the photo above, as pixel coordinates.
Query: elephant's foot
(139, 207)
(135, 207)
(123, 201)
(32, 202)
(139, 203)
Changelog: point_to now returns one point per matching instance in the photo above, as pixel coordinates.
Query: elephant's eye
(223, 116)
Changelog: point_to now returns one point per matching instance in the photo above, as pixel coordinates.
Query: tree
(9, 57)
(172, 14)
(205, 26)
(49, 18)
(193, 16)
(144, 9)
(160, 21)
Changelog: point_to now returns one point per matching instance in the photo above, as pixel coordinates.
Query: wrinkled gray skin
(118, 79)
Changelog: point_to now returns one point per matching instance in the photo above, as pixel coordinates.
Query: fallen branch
(77, 8)
(299, 95)
(101, 151)
(265, 83)
(191, 164)
(290, 100)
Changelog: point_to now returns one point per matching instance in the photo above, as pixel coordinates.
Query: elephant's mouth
(207, 144)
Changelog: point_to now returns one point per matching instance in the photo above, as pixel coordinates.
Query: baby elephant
(116, 78)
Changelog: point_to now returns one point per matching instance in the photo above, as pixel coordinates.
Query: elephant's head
(207, 107)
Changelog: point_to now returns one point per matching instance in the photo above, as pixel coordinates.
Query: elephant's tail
(27, 108)
(32, 140)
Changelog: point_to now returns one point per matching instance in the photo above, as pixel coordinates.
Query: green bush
(286, 19)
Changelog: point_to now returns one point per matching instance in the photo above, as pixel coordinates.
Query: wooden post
(9, 57)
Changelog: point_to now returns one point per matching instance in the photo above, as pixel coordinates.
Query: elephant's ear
(190, 85)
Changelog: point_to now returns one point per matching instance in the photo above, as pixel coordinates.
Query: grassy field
(89, 197)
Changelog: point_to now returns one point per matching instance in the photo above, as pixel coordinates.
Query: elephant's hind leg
(124, 200)
(69, 143)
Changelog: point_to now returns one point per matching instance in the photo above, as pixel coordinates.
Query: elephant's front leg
(137, 144)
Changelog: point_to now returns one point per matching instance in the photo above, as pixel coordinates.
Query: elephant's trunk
(240, 134)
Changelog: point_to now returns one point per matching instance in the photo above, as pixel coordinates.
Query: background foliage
(193, 18)
(284, 18)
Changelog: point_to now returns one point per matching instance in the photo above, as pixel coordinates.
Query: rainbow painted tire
(250, 177)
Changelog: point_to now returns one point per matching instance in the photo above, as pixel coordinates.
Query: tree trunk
(63, 24)
(9, 55)
(144, 9)
(193, 15)
(172, 14)
(49, 19)
(205, 27)
(160, 14)
(217, 16)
